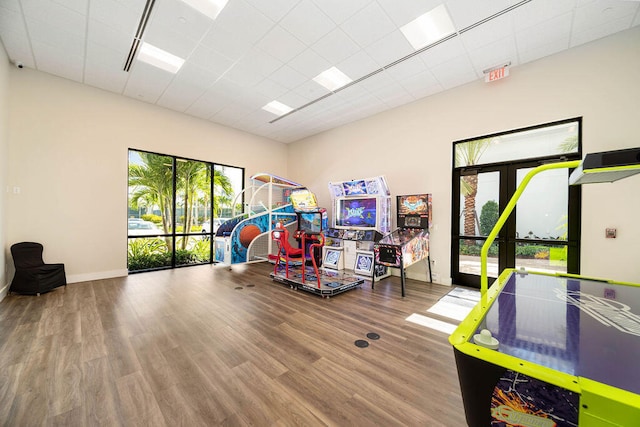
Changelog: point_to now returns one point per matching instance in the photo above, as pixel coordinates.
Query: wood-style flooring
(209, 346)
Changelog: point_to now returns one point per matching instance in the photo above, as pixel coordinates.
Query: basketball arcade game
(299, 267)
(553, 349)
(410, 242)
(246, 236)
(361, 215)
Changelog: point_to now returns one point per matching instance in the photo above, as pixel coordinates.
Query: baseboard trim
(77, 278)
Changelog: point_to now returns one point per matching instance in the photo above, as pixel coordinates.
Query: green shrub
(488, 217)
(156, 219)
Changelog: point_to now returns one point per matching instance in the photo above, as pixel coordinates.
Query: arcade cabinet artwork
(361, 213)
(558, 349)
(410, 242)
(299, 267)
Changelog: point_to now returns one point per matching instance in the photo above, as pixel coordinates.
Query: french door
(542, 234)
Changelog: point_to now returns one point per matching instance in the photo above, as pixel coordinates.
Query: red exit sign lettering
(497, 74)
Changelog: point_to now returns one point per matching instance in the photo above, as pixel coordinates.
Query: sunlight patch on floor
(438, 325)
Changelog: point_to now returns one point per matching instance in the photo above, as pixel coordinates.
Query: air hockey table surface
(573, 341)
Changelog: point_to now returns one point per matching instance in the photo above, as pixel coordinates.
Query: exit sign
(497, 74)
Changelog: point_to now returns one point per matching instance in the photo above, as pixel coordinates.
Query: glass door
(479, 206)
(543, 232)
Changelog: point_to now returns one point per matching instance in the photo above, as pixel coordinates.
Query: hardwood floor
(187, 347)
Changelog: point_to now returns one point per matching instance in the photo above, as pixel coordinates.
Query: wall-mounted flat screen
(357, 212)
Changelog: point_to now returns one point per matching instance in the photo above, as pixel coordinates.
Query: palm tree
(468, 154)
(153, 183)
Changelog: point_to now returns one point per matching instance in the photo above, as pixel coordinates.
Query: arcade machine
(553, 350)
(361, 215)
(299, 267)
(410, 242)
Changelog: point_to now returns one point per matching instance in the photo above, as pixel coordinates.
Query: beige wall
(411, 145)
(67, 153)
(68, 156)
(4, 142)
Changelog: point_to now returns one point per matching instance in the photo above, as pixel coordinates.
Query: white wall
(4, 142)
(412, 144)
(68, 156)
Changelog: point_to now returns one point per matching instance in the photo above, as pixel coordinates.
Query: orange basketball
(248, 233)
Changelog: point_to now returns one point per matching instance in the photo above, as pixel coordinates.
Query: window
(172, 216)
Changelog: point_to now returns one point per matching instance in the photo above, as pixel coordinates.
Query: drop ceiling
(259, 51)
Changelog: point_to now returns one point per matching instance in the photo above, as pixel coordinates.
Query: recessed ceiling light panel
(211, 8)
(428, 28)
(159, 58)
(277, 108)
(332, 79)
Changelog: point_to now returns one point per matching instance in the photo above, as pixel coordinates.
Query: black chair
(33, 276)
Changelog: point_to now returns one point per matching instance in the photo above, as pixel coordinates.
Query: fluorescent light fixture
(211, 8)
(428, 28)
(159, 58)
(332, 79)
(277, 108)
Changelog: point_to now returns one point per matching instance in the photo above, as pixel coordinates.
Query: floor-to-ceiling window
(175, 207)
(544, 231)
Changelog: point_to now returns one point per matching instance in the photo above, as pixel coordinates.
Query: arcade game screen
(311, 222)
(356, 212)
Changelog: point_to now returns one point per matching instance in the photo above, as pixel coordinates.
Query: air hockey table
(563, 350)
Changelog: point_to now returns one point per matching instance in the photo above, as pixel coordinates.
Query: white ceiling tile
(244, 21)
(208, 104)
(406, 69)
(555, 32)
(210, 60)
(270, 89)
(146, 82)
(421, 85)
(55, 16)
(358, 65)
(402, 12)
(377, 81)
(538, 51)
(309, 64)
(109, 37)
(307, 22)
(48, 58)
(464, 14)
(393, 95)
(496, 29)
(292, 99)
(457, 71)
(287, 77)
(442, 52)
(274, 9)
(540, 11)
(311, 90)
(604, 29)
(390, 48)
(80, 6)
(169, 39)
(15, 38)
(353, 92)
(244, 75)
(180, 18)
(104, 68)
(123, 16)
(341, 10)
(336, 46)
(495, 54)
(56, 37)
(368, 25)
(12, 5)
(226, 43)
(281, 44)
